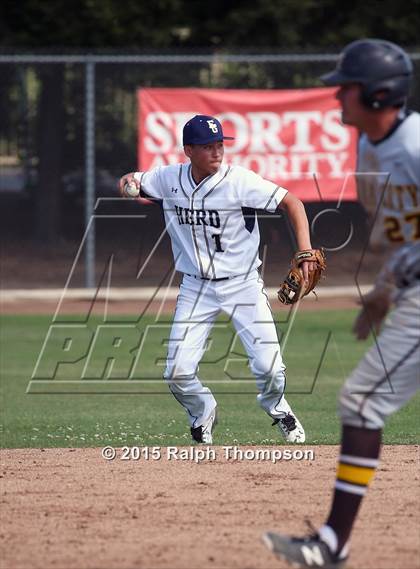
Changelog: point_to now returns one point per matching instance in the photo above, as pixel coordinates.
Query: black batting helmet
(379, 66)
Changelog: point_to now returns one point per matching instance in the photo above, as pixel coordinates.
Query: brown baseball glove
(294, 287)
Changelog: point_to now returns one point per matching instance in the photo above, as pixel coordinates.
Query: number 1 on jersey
(218, 243)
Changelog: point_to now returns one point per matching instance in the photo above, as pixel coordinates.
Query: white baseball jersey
(389, 170)
(404, 265)
(212, 225)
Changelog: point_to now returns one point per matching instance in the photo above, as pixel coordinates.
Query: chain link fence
(69, 130)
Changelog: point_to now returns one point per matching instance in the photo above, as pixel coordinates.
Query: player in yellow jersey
(373, 78)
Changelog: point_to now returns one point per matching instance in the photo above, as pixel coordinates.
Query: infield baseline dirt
(131, 307)
(69, 508)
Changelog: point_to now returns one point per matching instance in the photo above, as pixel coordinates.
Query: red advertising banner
(293, 137)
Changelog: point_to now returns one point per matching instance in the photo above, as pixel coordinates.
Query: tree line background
(175, 24)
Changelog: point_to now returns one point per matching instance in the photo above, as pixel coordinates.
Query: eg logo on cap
(203, 129)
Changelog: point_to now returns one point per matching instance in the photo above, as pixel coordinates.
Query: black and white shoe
(290, 428)
(308, 551)
(204, 433)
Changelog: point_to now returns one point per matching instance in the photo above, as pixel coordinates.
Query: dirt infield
(69, 508)
(126, 307)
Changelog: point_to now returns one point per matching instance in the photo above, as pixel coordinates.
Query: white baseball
(131, 190)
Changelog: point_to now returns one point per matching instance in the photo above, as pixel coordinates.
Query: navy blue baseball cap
(203, 129)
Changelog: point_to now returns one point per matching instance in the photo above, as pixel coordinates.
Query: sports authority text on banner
(287, 136)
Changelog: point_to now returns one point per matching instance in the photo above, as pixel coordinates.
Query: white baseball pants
(245, 301)
(389, 374)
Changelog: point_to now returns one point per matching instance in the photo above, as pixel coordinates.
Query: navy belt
(206, 279)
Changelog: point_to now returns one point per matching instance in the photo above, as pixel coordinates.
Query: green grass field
(101, 409)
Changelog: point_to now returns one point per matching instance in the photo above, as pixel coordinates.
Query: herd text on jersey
(197, 216)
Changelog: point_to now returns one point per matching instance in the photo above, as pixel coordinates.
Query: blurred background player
(373, 78)
(216, 248)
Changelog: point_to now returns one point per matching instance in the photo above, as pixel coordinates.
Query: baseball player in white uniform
(216, 248)
(374, 78)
